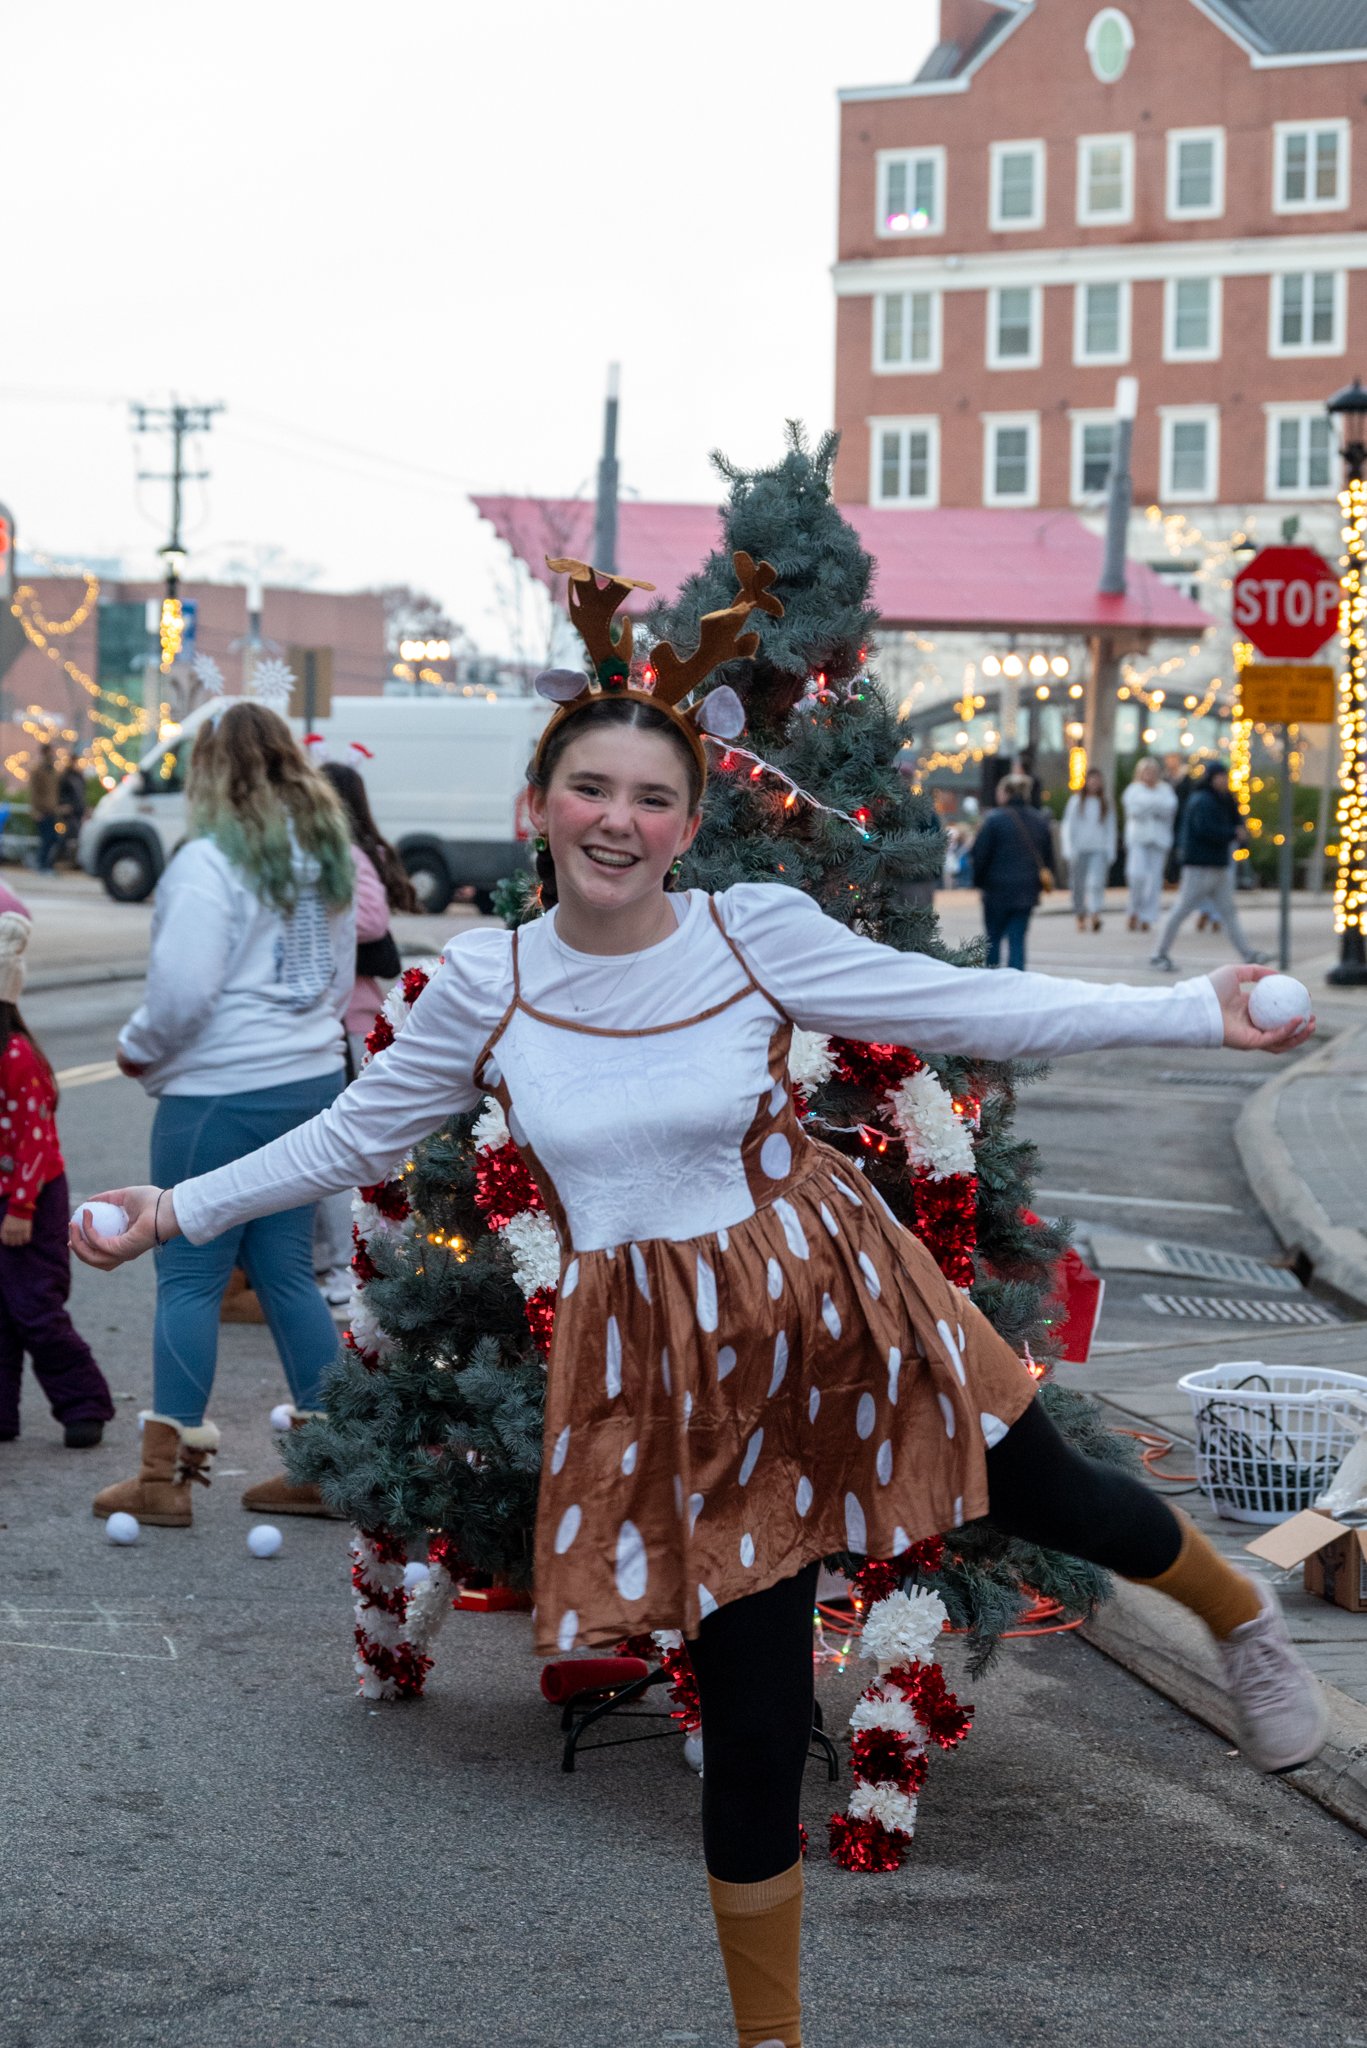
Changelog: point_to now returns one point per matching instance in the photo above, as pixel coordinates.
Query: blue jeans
(192, 1134)
(1005, 924)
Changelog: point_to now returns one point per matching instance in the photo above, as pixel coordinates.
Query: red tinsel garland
(946, 1222)
(362, 1265)
(415, 980)
(879, 1067)
(937, 1709)
(389, 1197)
(504, 1187)
(885, 1757)
(540, 1313)
(864, 1845)
(380, 1034)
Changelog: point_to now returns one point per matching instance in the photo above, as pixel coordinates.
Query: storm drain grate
(1204, 1264)
(1218, 1308)
(1177, 1079)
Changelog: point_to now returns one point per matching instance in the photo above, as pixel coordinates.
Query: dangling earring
(677, 869)
(540, 845)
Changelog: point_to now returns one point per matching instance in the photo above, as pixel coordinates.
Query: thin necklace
(603, 1001)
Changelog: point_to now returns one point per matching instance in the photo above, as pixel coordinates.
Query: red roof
(950, 569)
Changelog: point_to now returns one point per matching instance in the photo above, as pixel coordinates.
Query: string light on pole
(1349, 408)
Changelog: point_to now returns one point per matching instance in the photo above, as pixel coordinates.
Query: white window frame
(1081, 357)
(1336, 346)
(1078, 421)
(1031, 361)
(1276, 413)
(884, 158)
(1174, 208)
(1088, 219)
(933, 362)
(991, 421)
(1211, 352)
(1281, 131)
(1170, 416)
(996, 151)
(1093, 36)
(902, 423)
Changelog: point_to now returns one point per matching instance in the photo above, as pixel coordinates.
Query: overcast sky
(401, 245)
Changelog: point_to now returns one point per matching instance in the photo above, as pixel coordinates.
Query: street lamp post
(1349, 408)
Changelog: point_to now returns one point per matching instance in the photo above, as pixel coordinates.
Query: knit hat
(14, 931)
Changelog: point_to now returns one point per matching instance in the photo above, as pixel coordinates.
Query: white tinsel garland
(535, 1250)
(937, 1140)
(810, 1060)
(894, 1810)
(491, 1131)
(903, 1628)
(876, 1708)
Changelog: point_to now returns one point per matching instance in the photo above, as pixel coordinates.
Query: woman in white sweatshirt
(239, 1036)
(1150, 821)
(1089, 847)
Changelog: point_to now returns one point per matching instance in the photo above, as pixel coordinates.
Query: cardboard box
(1333, 1555)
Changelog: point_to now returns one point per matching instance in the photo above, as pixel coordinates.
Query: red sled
(1074, 1304)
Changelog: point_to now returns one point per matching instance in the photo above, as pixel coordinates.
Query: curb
(1335, 1251)
(1171, 1652)
(60, 978)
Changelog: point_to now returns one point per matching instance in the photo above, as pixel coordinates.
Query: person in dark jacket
(1210, 829)
(1011, 854)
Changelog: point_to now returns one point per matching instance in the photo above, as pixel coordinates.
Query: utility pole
(1104, 669)
(605, 517)
(178, 421)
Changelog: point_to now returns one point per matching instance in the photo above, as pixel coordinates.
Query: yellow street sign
(1289, 693)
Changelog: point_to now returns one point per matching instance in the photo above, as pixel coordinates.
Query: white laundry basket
(1269, 1438)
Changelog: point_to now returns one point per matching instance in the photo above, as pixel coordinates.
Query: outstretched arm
(829, 978)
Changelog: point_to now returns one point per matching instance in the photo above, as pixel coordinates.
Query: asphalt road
(211, 1842)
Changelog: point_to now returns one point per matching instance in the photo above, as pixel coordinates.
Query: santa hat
(14, 933)
(360, 754)
(316, 747)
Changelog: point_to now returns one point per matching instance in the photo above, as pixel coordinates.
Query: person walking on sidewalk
(1089, 847)
(1011, 860)
(631, 1024)
(71, 805)
(43, 789)
(239, 1037)
(1211, 828)
(1150, 806)
(382, 887)
(35, 1259)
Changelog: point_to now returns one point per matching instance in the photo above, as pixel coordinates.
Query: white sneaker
(1283, 1720)
(336, 1287)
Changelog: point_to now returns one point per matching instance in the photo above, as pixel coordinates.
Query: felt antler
(720, 636)
(592, 607)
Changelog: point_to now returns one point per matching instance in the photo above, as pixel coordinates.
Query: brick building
(1068, 192)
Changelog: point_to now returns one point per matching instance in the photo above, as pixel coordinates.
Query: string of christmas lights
(796, 794)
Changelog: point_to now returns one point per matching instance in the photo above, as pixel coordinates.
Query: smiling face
(617, 813)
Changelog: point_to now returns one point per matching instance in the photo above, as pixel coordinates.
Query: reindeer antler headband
(668, 677)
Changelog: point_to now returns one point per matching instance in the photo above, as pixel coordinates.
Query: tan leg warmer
(759, 1927)
(1213, 1588)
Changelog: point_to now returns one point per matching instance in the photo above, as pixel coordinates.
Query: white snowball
(282, 1418)
(122, 1528)
(415, 1574)
(264, 1540)
(1278, 999)
(110, 1219)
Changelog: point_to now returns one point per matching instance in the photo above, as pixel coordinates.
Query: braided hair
(604, 710)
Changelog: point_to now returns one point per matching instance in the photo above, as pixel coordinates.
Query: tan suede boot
(282, 1495)
(239, 1303)
(173, 1456)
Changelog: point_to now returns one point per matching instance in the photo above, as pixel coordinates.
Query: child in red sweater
(35, 1264)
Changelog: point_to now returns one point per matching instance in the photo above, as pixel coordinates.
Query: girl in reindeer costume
(753, 1363)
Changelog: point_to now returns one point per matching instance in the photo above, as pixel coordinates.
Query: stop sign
(1286, 601)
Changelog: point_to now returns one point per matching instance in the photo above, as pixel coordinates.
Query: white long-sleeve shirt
(1150, 815)
(825, 977)
(1086, 829)
(239, 996)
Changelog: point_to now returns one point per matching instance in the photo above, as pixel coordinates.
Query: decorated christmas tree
(434, 1412)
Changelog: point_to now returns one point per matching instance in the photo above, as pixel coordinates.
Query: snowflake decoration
(208, 674)
(272, 684)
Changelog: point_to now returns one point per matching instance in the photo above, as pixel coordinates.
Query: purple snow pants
(35, 1280)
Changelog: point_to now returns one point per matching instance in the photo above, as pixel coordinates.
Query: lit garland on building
(41, 631)
(1350, 889)
(172, 631)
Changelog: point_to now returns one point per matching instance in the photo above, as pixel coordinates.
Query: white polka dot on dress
(678, 1496)
(568, 1529)
(706, 1602)
(562, 1444)
(882, 1464)
(747, 1550)
(829, 1221)
(856, 1529)
(723, 1240)
(687, 1407)
(848, 1193)
(870, 1272)
(947, 1410)
(780, 1363)
(776, 1156)
(953, 1349)
(726, 1360)
(695, 1505)
(958, 1511)
(707, 1296)
(614, 1359)
(793, 1232)
(567, 1287)
(629, 1459)
(775, 1275)
(664, 1370)
(804, 1494)
(865, 1415)
(994, 1429)
(641, 1276)
(894, 1368)
(632, 1565)
(568, 1630)
(900, 1541)
(830, 1315)
(813, 1403)
(751, 1458)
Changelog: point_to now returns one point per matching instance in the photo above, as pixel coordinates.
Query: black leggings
(753, 1657)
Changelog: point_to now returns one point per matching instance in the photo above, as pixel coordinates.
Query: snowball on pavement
(122, 1528)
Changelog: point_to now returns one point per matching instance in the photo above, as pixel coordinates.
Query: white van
(446, 781)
